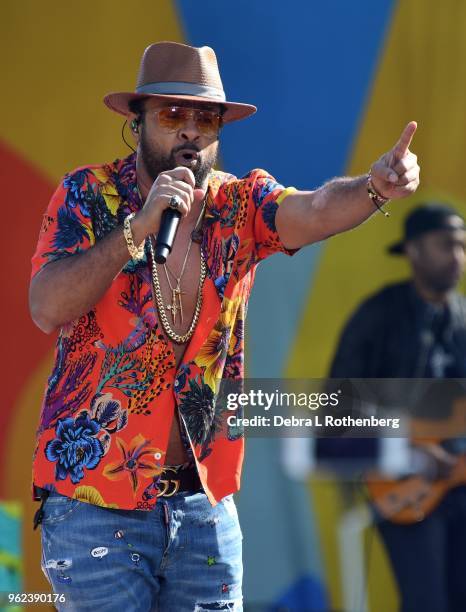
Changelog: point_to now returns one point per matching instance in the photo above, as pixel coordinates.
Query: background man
(417, 329)
(129, 415)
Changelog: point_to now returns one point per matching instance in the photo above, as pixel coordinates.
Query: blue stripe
(309, 72)
(181, 88)
(308, 67)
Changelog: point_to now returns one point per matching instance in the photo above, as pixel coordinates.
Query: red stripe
(25, 194)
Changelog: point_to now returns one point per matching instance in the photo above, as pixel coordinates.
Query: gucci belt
(176, 478)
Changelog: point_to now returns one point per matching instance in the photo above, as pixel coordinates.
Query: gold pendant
(173, 307)
(179, 293)
(176, 304)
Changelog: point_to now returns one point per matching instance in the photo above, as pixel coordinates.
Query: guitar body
(409, 500)
(405, 501)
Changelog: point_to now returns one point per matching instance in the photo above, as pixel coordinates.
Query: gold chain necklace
(178, 338)
(176, 303)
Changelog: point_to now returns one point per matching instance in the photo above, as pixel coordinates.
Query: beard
(156, 162)
(444, 282)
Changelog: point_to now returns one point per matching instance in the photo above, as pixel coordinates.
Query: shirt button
(176, 383)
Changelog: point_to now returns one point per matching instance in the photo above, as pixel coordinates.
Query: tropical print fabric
(114, 388)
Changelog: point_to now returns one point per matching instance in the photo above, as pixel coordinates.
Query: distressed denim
(182, 556)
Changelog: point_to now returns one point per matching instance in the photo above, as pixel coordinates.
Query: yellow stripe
(62, 60)
(286, 192)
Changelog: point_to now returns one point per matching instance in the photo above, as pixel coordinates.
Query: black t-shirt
(441, 361)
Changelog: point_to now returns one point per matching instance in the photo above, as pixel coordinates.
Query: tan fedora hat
(173, 71)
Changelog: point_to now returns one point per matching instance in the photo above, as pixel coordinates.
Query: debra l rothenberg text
(314, 421)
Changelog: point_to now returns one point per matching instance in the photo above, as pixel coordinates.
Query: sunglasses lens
(207, 122)
(175, 117)
(172, 118)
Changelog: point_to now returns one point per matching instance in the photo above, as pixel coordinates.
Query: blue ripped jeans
(182, 556)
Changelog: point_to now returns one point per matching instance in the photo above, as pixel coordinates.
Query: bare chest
(179, 282)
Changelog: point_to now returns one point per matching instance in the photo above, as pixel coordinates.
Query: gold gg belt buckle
(167, 483)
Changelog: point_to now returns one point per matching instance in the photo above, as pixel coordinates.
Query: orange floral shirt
(114, 388)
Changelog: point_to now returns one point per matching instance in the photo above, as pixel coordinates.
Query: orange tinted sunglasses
(173, 118)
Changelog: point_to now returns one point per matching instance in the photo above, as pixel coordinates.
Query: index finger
(183, 174)
(402, 146)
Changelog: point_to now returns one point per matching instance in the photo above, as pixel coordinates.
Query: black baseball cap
(425, 218)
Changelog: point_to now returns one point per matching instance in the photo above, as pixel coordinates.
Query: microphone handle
(166, 235)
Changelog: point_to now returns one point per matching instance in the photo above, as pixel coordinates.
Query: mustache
(186, 147)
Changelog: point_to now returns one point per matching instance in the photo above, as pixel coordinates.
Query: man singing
(135, 463)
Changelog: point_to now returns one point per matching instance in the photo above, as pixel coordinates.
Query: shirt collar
(122, 181)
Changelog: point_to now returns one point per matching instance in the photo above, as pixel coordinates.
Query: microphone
(166, 234)
(168, 228)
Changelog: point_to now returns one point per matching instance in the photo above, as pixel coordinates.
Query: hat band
(180, 88)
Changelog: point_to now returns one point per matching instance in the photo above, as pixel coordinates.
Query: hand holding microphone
(170, 198)
(168, 227)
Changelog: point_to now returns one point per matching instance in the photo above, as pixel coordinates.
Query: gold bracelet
(136, 253)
